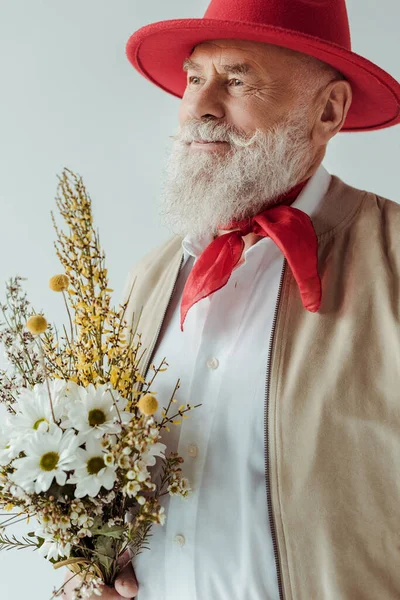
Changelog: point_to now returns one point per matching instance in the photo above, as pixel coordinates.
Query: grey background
(69, 97)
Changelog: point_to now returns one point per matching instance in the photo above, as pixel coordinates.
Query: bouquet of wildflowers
(80, 433)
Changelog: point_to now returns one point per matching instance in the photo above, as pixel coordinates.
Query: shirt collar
(308, 201)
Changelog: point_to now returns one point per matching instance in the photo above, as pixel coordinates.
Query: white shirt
(216, 544)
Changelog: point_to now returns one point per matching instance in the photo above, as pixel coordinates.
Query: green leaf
(105, 551)
(114, 532)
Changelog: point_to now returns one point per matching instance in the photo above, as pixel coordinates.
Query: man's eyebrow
(234, 69)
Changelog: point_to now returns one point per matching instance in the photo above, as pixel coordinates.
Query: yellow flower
(148, 404)
(59, 283)
(36, 324)
(114, 375)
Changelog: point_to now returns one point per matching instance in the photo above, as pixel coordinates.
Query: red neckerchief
(292, 231)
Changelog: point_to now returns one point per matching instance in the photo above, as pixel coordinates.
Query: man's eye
(237, 82)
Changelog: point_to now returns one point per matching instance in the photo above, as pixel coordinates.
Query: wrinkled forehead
(243, 48)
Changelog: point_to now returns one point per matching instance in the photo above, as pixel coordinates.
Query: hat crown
(324, 19)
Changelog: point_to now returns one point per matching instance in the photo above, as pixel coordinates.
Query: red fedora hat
(319, 28)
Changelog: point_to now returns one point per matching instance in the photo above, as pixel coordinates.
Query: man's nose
(207, 102)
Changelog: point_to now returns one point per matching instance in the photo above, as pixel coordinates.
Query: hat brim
(158, 50)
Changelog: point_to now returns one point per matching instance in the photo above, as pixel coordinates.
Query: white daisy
(91, 471)
(34, 411)
(52, 548)
(48, 456)
(154, 450)
(93, 413)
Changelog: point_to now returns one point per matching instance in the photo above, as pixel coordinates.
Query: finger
(126, 588)
(126, 583)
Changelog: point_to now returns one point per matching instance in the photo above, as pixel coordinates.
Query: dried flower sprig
(102, 350)
(21, 352)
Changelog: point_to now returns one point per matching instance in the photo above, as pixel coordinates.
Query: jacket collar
(340, 203)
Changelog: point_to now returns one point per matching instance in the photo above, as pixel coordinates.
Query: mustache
(209, 131)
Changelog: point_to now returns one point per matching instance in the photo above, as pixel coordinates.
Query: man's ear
(332, 108)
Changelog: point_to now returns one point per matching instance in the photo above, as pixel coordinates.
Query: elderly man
(277, 305)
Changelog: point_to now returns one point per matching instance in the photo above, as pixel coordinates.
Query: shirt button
(192, 450)
(213, 363)
(179, 540)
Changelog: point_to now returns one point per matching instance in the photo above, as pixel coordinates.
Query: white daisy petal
(61, 477)
(157, 449)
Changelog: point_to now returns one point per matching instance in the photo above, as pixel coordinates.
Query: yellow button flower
(59, 283)
(148, 404)
(36, 324)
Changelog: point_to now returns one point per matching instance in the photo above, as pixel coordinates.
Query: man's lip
(203, 142)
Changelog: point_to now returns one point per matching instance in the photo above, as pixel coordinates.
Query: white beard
(203, 190)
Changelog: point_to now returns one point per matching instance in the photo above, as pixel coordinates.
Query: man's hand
(126, 585)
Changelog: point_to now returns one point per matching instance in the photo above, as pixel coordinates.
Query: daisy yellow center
(36, 425)
(95, 464)
(49, 461)
(96, 417)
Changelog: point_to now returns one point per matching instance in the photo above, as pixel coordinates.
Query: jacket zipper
(150, 355)
(266, 440)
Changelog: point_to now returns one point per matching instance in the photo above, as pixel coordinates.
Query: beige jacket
(332, 406)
